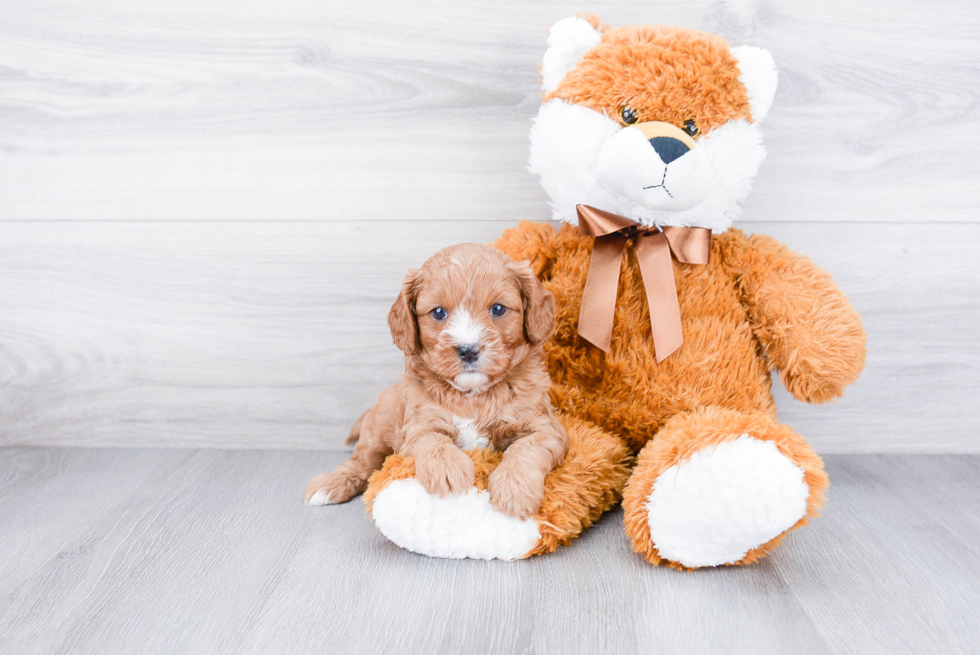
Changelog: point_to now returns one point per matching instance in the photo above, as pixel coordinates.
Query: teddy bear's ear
(568, 40)
(759, 75)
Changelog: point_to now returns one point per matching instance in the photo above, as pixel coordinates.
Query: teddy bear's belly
(627, 392)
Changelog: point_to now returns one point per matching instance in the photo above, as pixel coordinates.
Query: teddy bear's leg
(718, 486)
(589, 482)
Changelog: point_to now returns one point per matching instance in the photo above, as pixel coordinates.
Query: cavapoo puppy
(471, 323)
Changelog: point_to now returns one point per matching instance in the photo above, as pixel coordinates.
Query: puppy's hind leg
(350, 478)
(355, 432)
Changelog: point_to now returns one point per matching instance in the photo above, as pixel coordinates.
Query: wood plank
(917, 293)
(215, 553)
(40, 480)
(188, 556)
(301, 110)
(274, 335)
(902, 532)
(200, 334)
(228, 559)
(596, 597)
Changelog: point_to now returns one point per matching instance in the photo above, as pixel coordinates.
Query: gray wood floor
(212, 551)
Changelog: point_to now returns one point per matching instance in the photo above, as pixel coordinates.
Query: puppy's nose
(469, 352)
(669, 148)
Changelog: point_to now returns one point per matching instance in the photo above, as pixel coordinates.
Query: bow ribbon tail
(595, 318)
(654, 258)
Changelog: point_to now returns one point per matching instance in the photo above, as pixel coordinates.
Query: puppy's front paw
(332, 488)
(514, 494)
(445, 471)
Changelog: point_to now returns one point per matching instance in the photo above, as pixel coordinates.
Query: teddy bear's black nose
(668, 148)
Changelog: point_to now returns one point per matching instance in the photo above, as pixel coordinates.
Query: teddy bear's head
(658, 124)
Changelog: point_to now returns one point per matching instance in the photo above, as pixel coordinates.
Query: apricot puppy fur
(471, 323)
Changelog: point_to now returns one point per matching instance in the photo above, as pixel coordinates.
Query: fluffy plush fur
(627, 113)
(754, 307)
(754, 297)
(669, 78)
(697, 432)
(588, 483)
(471, 323)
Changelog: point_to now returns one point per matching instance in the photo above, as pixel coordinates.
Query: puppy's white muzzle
(665, 172)
(463, 330)
(470, 382)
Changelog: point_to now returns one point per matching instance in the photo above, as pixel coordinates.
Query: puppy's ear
(539, 304)
(402, 321)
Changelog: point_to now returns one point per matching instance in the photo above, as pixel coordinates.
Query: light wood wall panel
(306, 109)
(273, 335)
(205, 208)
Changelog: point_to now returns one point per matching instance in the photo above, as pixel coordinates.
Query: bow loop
(653, 247)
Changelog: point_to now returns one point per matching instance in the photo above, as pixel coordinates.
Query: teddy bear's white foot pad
(457, 527)
(723, 501)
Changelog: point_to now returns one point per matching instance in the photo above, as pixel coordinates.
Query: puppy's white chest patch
(467, 436)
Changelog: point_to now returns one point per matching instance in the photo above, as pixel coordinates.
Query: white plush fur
(467, 436)
(568, 41)
(722, 502)
(759, 76)
(629, 167)
(457, 527)
(568, 140)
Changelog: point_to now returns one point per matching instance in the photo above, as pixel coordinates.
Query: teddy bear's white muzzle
(657, 173)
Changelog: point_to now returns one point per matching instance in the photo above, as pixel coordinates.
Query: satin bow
(653, 248)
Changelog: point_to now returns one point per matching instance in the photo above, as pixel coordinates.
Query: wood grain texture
(311, 110)
(921, 516)
(206, 208)
(274, 334)
(214, 552)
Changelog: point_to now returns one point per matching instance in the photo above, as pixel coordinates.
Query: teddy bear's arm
(536, 243)
(808, 328)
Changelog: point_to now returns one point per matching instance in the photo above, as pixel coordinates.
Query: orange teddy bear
(669, 320)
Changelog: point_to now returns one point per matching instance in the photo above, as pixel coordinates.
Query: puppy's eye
(498, 310)
(629, 116)
(439, 313)
(691, 128)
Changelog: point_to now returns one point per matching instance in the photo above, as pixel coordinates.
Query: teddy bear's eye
(629, 116)
(691, 129)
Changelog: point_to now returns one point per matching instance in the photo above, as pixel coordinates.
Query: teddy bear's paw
(462, 526)
(725, 500)
(587, 484)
